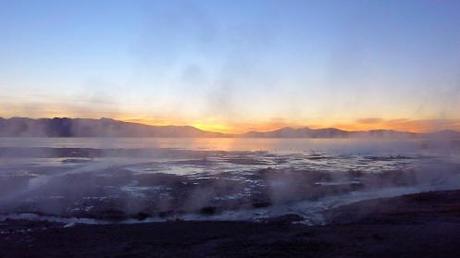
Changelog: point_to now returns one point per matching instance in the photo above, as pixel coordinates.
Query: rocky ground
(419, 225)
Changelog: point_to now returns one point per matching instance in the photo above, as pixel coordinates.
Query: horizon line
(233, 134)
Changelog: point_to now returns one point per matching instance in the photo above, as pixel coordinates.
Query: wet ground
(124, 198)
(420, 225)
(142, 185)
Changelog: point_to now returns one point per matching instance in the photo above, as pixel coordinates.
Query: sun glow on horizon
(243, 126)
(416, 126)
(234, 67)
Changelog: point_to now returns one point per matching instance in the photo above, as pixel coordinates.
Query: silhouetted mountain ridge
(306, 132)
(106, 127)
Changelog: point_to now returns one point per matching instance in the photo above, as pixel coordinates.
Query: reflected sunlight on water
(225, 144)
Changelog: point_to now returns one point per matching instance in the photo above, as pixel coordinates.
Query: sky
(234, 66)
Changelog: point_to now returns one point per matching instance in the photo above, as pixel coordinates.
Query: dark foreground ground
(421, 225)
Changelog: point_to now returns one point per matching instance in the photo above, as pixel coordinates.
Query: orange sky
(347, 118)
(235, 66)
(420, 125)
(236, 125)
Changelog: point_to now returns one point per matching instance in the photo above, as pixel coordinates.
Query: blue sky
(229, 64)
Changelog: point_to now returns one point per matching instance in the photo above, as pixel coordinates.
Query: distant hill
(77, 127)
(105, 127)
(445, 134)
(306, 132)
(326, 133)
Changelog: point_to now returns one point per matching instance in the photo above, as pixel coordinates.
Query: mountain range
(106, 127)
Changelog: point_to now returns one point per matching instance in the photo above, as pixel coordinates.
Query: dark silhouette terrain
(418, 225)
(105, 127)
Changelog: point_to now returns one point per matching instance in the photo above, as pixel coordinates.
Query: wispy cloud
(371, 120)
(402, 124)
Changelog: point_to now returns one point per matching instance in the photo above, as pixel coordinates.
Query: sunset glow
(230, 128)
(314, 64)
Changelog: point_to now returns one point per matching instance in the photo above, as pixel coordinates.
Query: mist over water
(144, 179)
